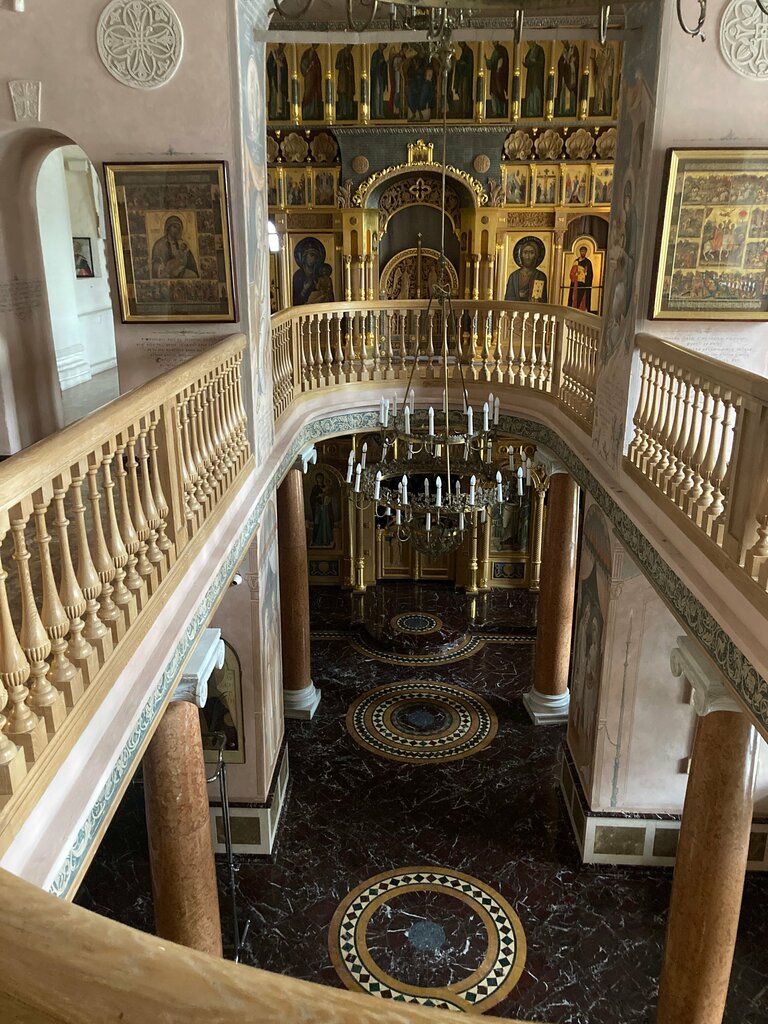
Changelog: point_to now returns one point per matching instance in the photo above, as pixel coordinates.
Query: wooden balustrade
(542, 348)
(92, 520)
(700, 433)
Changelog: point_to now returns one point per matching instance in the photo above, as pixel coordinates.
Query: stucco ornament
(324, 148)
(744, 39)
(549, 145)
(140, 42)
(606, 144)
(579, 144)
(25, 97)
(294, 148)
(482, 163)
(518, 145)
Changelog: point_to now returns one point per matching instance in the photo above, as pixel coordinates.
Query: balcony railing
(530, 346)
(93, 521)
(700, 446)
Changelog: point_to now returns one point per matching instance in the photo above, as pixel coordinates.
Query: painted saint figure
(346, 107)
(321, 507)
(463, 79)
(581, 276)
(309, 254)
(534, 62)
(277, 83)
(567, 80)
(379, 81)
(603, 62)
(171, 256)
(312, 100)
(498, 86)
(527, 283)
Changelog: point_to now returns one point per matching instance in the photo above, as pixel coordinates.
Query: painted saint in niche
(498, 84)
(312, 71)
(527, 283)
(420, 85)
(277, 83)
(534, 62)
(603, 64)
(567, 80)
(379, 81)
(462, 83)
(346, 105)
(581, 277)
(312, 282)
(398, 67)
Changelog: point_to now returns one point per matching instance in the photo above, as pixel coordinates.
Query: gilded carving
(606, 144)
(365, 189)
(294, 148)
(324, 148)
(413, 273)
(579, 144)
(549, 145)
(518, 145)
(411, 190)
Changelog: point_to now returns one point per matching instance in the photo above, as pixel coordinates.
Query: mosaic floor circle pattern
(431, 936)
(421, 720)
(416, 623)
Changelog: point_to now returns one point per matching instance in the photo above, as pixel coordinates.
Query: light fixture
(273, 238)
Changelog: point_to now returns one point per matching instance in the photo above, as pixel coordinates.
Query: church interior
(384, 511)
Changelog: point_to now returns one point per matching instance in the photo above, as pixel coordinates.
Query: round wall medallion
(421, 720)
(140, 42)
(481, 163)
(416, 622)
(360, 164)
(430, 936)
(744, 39)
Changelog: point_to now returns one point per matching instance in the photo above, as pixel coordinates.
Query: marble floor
(448, 880)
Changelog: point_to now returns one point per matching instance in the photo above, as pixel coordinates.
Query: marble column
(547, 702)
(300, 698)
(184, 889)
(712, 852)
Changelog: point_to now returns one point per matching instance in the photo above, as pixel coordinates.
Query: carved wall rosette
(140, 42)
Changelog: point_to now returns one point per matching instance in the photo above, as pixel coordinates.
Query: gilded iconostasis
(354, 149)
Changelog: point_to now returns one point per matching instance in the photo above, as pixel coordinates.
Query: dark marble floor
(594, 935)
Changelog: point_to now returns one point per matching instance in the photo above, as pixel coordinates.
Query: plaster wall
(702, 102)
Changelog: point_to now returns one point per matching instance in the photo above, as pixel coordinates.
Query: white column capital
(207, 655)
(709, 691)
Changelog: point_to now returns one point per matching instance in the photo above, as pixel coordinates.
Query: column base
(301, 704)
(547, 708)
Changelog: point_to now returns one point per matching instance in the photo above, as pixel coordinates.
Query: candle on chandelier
(398, 517)
(472, 483)
(457, 488)
(377, 487)
(405, 489)
(428, 522)
(470, 420)
(461, 522)
(384, 450)
(412, 400)
(426, 486)
(499, 495)
(365, 454)
(386, 412)
(496, 412)
(410, 450)
(445, 401)
(431, 421)
(485, 417)
(394, 406)
(381, 412)
(439, 492)
(407, 414)
(358, 471)
(350, 466)
(520, 482)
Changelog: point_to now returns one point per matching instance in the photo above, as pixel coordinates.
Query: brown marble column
(300, 698)
(179, 832)
(711, 856)
(547, 702)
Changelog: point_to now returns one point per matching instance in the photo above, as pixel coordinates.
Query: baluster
(13, 766)
(43, 699)
(644, 407)
(188, 469)
(523, 368)
(305, 350)
(143, 565)
(117, 550)
(568, 363)
(388, 355)
(705, 430)
(341, 368)
(501, 321)
(223, 446)
(710, 457)
(376, 343)
(363, 321)
(102, 560)
(653, 452)
(87, 577)
(513, 355)
(21, 724)
(230, 418)
(485, 348)
(535, 337)
(722, 468)
(666, 468)
(161, 503)
(207, 439)
(221, 461)
(677, 476)
(154, 555)
(72, 597)
(330, 370)
(199, 475)
(691, 446)
(242, 419)
(63, 674)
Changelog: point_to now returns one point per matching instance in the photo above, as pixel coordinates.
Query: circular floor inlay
(420, 720)
(416, 623)
(430, 936)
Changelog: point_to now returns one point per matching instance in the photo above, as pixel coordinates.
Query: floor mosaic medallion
(416, 623)
(431, 936)
(421, 720)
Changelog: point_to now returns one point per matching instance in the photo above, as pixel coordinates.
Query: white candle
(398, 517)
(482, 514)
(499, 495)
(384, 450)
(394, 406)
(457, 488)
(520, 481)
(389, 510)
(407, 413)
(350, 466)
(439, 492)
(365, 454)
(358, 471)
(410, 451)
(377, 487)
(426, 486)
(431, 420)
(470, 420)
(485, 416)
(461, 521)
(472, 483)
(412, 400)
(381, 411)
(405, 489)
(496, 412)
(386, 412)
(428, 522)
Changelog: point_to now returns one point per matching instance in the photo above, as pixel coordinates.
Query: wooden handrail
(708, 366)
(68, 965)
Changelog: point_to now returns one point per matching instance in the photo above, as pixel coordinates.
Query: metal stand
(220, 776)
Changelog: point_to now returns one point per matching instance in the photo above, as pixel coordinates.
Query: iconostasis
(340, 172)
